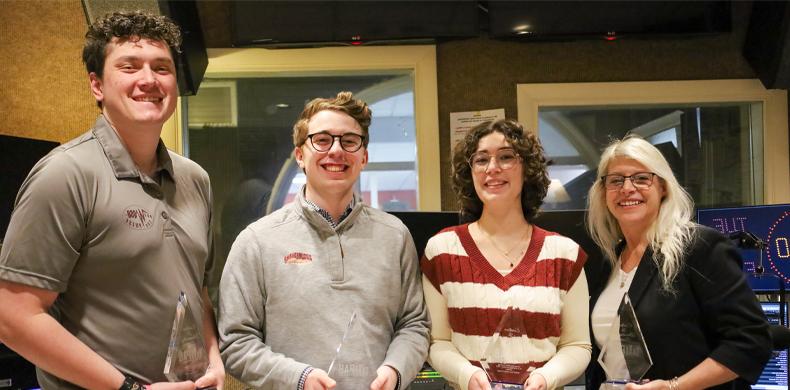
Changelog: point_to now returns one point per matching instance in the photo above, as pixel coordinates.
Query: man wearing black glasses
(326, 291)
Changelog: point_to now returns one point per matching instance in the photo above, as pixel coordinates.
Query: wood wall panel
(44, 91)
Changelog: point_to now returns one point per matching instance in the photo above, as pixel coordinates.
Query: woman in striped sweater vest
(473, 272)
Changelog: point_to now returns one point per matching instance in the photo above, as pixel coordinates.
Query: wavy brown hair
(133, 26)
(529, 150)
(344, 102)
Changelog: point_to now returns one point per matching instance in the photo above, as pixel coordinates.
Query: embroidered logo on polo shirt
(138, 218)
(297, 258)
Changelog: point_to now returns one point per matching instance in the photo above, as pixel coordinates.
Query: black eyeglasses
(505, 159)
(323, 141)
(641, 180)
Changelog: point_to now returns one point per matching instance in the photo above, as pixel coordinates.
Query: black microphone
(748, 240)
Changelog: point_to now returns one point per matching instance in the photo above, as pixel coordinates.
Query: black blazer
(713, 313)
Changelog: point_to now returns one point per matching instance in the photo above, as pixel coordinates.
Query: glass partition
(726, 140)
(240, 132)
(710, 147)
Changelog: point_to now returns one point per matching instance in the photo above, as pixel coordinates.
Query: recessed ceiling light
(521, 29)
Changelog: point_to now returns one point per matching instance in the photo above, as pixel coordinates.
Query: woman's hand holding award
(503, 373)
(624, 356)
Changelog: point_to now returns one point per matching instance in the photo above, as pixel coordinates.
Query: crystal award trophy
(502, 374)
(353, 366)
(187, 359)
(624, 356)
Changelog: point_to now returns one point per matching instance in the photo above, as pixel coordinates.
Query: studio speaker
(193, 59)
(767, 47)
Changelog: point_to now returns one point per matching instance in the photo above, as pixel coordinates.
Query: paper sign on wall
(461, 122)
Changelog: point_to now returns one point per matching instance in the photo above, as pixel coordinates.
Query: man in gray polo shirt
(110, 227)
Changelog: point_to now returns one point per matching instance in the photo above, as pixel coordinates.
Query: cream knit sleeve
(573, 348)
(443, 355)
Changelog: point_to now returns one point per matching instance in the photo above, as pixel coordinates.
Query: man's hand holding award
(187, 359)
(353, 366)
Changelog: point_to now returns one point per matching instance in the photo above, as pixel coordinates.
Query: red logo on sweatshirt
(297, 258)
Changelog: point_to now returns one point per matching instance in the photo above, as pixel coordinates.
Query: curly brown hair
(528, 148)
(344, 102)
(133, 25)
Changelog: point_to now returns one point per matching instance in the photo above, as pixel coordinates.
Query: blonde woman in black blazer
(702, 323)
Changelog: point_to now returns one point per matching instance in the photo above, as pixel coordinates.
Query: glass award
(624, 356)
(187, 359)
(503, 373)
(353, 366)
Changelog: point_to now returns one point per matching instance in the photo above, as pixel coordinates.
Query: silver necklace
(623, 278)
(624, 275)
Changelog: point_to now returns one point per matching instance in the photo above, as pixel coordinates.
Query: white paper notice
(461, 122)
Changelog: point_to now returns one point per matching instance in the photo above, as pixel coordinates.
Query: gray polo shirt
(115, 244)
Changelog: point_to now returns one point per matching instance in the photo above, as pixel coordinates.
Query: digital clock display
(771, 224)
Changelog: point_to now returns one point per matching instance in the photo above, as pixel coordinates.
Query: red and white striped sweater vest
(477, 294)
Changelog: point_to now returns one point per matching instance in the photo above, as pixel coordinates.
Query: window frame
(775, 157)
(418, 59)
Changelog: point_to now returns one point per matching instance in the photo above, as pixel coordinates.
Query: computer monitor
(15, 372)
(771, 226)
(774, 376)
(425, 224)
(18, 157)
(570, 223)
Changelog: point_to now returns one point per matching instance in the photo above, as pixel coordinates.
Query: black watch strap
(130, 383)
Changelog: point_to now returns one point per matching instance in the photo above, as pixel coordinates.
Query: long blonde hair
(671, 232)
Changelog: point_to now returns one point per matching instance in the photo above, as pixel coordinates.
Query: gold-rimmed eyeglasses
(640, 180)
(505, 159)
